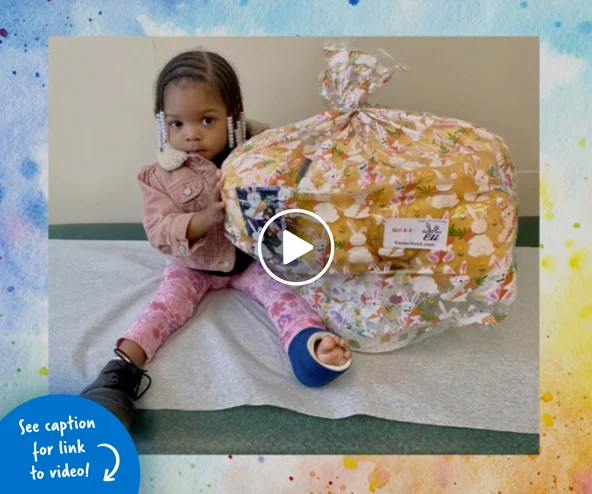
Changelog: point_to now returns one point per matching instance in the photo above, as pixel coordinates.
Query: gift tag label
(416, 234)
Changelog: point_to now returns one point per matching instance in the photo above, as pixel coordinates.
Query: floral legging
(181, 290)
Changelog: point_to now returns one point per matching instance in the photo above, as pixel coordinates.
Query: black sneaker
(117, 387)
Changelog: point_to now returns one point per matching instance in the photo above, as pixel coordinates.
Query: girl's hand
(203, 221)
(215, 208)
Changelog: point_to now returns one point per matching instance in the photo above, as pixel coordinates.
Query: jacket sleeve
(165, 225)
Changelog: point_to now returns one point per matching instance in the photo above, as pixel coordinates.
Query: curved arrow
(108, 477)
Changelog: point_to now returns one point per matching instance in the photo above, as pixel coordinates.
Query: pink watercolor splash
(582, 483)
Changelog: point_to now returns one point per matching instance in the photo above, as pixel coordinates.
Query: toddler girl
(200, 118)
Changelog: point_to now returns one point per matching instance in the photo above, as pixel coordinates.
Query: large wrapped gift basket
(422, 208)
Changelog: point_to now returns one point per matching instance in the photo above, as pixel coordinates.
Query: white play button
(285, 258)
(293, 247)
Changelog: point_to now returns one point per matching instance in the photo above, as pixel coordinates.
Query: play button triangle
(293, 247)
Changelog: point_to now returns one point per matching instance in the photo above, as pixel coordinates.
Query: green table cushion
(272, 430)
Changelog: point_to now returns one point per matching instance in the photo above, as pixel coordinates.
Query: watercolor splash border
(565, 32)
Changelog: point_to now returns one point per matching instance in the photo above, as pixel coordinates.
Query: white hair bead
(243, 124)
(159, 132)
(230, 132)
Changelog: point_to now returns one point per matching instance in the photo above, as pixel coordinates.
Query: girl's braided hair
(205, 67)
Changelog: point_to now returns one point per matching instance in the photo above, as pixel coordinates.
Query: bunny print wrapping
(363, 168)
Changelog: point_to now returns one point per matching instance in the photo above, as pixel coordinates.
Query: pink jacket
(170, 200)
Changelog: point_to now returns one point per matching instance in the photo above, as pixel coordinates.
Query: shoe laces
(135, 370)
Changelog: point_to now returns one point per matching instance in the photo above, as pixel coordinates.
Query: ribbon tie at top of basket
(351, 76)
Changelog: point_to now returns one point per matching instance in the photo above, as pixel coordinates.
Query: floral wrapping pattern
(358, 166)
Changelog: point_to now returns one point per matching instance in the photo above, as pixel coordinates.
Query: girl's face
(195, 118)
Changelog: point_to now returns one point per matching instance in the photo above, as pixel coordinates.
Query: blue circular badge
(66, 444)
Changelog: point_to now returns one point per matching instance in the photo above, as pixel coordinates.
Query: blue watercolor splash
(34, 209)
(585, 27)
(29, 169)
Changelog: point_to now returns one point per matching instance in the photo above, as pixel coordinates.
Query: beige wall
(102, 130)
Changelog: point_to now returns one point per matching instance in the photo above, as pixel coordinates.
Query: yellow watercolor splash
(578, 259)
(547, 205)
(566, 412)
(586, 312)
(378, 479)
(548, 263)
